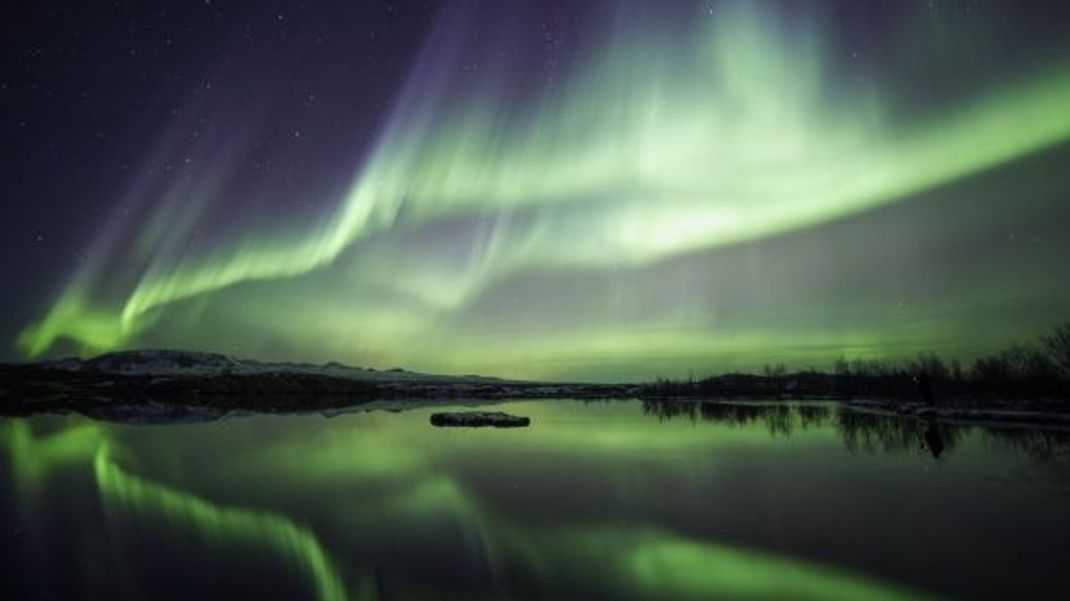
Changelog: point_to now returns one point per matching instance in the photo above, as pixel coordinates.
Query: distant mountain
(161, 362)
(155, 362)
(152, 384)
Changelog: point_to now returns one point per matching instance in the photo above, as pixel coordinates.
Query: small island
(478, 419)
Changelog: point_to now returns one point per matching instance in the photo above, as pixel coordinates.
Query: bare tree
(1057, 344)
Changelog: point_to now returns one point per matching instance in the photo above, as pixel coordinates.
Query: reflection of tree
(867, 431)
(861, 431)
(1042, 446)
(813, 415)
(864, 431)
(872, 432)
(779, 418)
(666, 410)
(934, 439)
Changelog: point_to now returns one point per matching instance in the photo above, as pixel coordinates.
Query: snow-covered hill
(155, 362)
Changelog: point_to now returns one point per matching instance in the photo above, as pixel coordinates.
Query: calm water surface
(595, 500)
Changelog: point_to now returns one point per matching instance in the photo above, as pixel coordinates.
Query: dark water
(598, 500)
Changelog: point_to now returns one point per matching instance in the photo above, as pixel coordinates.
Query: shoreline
(29, 389)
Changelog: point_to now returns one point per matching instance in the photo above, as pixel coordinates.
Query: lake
(595, 500)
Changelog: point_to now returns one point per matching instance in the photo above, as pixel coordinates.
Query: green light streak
(663, 566)
(34, 457)
(225, 524)
(70, 318)
(636, 562)
(662, 143)
(427, 492)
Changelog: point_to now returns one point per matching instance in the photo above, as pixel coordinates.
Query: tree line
(1036, 370)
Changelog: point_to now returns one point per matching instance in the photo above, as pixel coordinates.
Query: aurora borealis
(603, 190)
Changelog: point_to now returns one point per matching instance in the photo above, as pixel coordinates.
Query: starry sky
(604, 190)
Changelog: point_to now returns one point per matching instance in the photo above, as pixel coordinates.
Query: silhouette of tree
(1057, 344)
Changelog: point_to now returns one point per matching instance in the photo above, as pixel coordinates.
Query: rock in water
(478, 419)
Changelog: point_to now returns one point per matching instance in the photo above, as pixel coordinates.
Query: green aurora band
(664, 143)
(82, 443)
(121, 490)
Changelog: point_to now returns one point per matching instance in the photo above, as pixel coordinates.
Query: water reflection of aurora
(399, 488)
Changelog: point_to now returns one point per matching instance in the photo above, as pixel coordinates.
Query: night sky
(591, 190)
